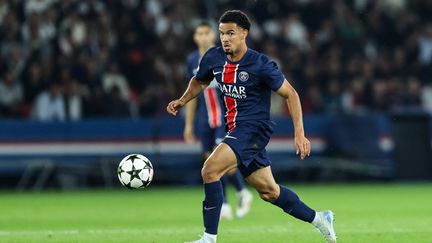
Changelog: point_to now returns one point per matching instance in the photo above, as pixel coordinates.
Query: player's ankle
(317, 219)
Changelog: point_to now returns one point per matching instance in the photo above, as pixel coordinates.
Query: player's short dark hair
(236, 16)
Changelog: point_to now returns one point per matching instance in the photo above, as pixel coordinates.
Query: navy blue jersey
(210, 112)
(245, 85)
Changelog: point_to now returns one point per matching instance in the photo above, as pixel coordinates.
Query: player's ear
(245, 33)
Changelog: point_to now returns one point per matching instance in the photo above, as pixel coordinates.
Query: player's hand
(302, 145)
(174, 106)
(188, 135)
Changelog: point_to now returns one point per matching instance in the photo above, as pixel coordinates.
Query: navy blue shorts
(248, 141)
(210, 137)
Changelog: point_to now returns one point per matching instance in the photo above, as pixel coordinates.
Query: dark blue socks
(291, 204)
(212, 205)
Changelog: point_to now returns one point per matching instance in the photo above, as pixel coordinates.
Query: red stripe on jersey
(229, 77)
(213, 109)
(218, 109)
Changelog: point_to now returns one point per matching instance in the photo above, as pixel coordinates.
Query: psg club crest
(243, 76)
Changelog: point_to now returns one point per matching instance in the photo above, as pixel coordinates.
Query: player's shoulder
(259, 59)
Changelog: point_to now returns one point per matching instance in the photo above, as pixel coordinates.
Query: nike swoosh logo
(228, 136)
(206, 208)
(214, 73)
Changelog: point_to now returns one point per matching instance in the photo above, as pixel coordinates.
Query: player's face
(232, 37)
(204, 36)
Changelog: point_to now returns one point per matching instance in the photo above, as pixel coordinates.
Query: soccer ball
(135, 171)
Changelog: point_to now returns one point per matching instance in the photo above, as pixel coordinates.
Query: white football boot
(206, 238)
(323, 221)
(244, 198)
(226, 212)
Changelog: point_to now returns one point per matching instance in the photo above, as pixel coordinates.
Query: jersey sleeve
(204, 72)
(271, 74)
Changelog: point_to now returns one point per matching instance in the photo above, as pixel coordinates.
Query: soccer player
(246, 79)
(210, 122)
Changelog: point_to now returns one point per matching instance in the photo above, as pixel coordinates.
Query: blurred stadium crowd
(69, 59)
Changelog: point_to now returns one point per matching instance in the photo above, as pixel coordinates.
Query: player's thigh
(263, 181)
(221, 160)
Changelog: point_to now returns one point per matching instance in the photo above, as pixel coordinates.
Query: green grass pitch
(364, 213)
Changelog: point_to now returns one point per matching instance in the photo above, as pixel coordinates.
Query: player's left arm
(302, 144)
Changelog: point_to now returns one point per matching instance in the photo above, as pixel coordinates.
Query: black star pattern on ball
(133, 157)
(134, 173)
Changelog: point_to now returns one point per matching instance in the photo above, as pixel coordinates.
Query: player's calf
(212, 205)
(290, 203)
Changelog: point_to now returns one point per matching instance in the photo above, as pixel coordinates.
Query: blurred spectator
(426, 98)
(353, 96)
(425, 45)
(94, 103)
(37, 6)
(395, 92)
(378, 100)
(112, 77)
(341, 56)
(149, 101)
(4, 8)
(313, 102)
(412, 94)
(49, 105)
(73, 95)
(333, 97)
(34, 82)
(116, 105)
(11, 96)
(72, 100)
(296, 32)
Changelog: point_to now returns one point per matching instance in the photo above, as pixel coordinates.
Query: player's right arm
(302, 144)
(277, 82)
(194, 88)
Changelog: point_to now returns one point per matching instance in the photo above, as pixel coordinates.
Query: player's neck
(238, 55)
(203, 49)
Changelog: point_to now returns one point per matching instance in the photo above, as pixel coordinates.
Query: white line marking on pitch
(183, 230)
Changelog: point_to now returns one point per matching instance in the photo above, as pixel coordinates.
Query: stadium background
(83, 83)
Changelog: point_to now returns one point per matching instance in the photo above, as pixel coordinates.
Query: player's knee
(269, 194)
(209, 175)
